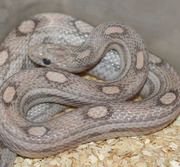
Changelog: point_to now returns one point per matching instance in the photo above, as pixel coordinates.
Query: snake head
(54, 56)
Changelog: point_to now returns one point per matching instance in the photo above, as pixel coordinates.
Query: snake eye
(47, 61)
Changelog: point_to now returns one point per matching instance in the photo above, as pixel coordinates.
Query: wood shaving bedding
(160, 149)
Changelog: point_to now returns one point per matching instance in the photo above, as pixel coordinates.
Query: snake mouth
(35, 60)
(36, 55)
(32, 50)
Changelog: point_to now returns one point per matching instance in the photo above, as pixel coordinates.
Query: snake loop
(64, 43)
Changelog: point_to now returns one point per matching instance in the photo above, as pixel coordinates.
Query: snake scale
(66, 44)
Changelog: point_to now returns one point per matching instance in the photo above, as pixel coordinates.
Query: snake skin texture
(104, 109)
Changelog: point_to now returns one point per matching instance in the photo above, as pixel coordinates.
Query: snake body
(104, 109)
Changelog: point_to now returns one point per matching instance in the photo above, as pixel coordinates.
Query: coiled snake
(65, 43)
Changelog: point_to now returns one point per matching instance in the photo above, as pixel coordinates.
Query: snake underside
(29, 95)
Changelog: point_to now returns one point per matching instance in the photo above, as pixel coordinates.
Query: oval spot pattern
(83, 54)
(140, 60)
(112, 30)
(168, 98)
(111, 90)
(83, 27)
(97, 112)
(26, 26)
(3, 57)
(9, 94)
(56, 77)
(37, 131)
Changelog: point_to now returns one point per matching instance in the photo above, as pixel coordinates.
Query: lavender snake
(62, 42)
